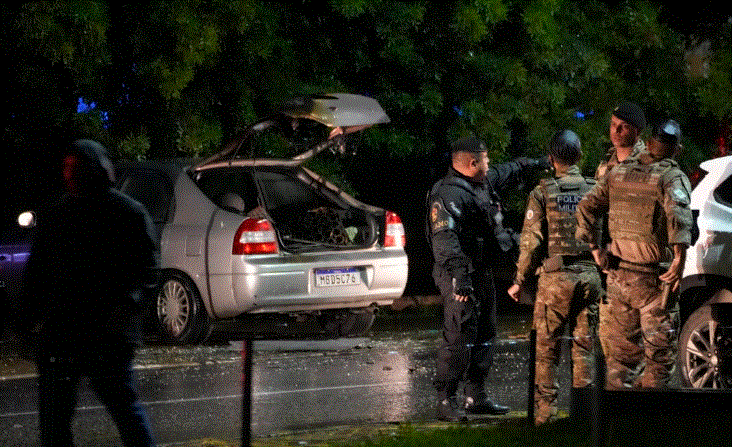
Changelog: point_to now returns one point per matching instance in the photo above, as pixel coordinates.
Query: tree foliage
(181, 77)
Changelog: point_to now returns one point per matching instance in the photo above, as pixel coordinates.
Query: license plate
(337, 277)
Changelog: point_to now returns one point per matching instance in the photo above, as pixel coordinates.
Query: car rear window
(283, 190)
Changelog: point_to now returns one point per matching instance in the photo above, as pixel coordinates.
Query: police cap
(667, 132)
(632, 114)
(468, 144)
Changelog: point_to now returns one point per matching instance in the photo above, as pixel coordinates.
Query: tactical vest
(636, 200)
(480, 230)
(561, 198)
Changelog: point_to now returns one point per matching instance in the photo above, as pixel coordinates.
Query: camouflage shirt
(647, 203)
(611, 159)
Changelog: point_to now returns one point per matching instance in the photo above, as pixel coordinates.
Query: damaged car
(248, 231)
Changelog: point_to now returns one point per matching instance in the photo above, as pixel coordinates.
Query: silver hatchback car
(246, 233)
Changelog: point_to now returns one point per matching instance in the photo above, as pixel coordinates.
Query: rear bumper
(267, 286)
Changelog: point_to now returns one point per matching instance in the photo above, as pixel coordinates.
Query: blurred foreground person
(91, 261)
(569, 285)
(646, 199)
(466, 233)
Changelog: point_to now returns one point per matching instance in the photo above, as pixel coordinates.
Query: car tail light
(395, 236)
(255, 237)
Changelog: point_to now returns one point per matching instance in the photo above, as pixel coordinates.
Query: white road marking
(230, 396)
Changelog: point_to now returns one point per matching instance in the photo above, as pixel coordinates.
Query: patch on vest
(567, 203)
(681, 196)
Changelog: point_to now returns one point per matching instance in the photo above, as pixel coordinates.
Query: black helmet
(667, 132)
(566, 147)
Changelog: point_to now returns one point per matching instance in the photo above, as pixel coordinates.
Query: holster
(613, 262)
(553, 264)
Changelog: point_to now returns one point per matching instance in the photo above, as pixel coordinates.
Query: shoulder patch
(439, 217)
(681, 195)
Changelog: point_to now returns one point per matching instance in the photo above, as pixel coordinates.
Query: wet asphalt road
(194, 393)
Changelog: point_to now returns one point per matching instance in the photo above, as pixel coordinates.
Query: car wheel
(699, 351)
(181, 315)
(348, 323)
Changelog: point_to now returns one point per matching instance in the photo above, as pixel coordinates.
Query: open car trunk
(259, 174)
(309, 215)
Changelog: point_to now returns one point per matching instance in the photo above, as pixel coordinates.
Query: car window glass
(281, 190)
(152, 189)
(724, 192)
(217, 184)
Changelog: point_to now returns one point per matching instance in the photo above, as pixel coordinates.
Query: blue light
(87, 107)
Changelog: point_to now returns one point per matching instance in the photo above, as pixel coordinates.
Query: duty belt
(571, 259)
(653, 267)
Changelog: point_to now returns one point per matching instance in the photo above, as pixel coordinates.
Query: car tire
(698, 350)
(348, 323)
(181, 316)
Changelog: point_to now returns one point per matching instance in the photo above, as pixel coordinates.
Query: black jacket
(92, 257)
(465, 222)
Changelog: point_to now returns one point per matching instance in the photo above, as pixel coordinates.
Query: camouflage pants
(640, 333)
(566, 299)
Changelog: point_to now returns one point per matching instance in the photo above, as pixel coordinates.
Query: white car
(705, 340)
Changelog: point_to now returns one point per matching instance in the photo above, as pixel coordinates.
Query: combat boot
(449, 410)
(482, 405)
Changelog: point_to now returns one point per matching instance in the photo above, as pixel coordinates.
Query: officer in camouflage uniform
(647, 202)
(569, 283)
(464, 228)
(626, 124)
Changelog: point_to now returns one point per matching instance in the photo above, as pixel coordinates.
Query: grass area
(630, 432)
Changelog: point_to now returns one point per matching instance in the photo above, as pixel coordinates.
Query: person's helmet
(667, 132)
(565, 146)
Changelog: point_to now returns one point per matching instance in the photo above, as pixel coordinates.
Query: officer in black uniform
(465, 229)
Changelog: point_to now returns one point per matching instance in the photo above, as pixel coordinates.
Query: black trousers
(110, 376)
(468, 332)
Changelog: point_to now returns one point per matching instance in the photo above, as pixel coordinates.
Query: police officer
(465, 227)
(626, 124)
(569, 283)
(647, 202)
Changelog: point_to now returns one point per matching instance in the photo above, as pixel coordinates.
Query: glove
(462, 286)
(541, 163)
